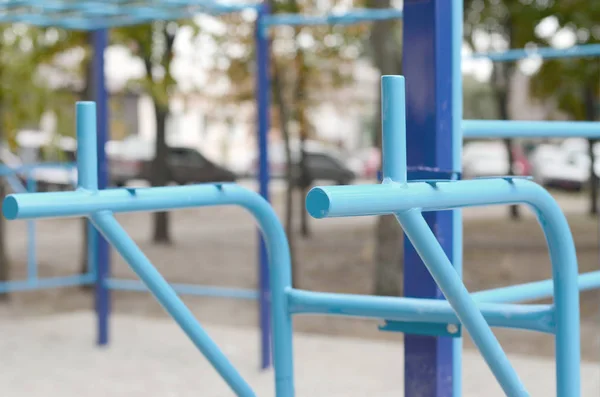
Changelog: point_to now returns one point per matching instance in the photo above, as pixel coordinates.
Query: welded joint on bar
(509, 178)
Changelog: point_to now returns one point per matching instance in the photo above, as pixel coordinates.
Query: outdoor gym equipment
(432, 63)
(406, 200)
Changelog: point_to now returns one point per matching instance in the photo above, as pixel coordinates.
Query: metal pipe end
(318, 203)
(10, 208)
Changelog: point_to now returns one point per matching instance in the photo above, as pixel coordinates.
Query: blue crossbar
(529, 129)
(98, 14)
(346, 18)
(581, 51)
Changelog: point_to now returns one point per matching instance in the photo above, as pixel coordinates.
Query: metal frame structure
(431, 106)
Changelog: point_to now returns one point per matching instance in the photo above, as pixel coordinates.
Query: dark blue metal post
(263, 91)
(427, 65)
(100, 41)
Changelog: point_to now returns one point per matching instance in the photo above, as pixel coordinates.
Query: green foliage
(24, 94)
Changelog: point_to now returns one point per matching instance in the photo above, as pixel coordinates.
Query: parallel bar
(530, 129)
(581, 51)
(82, 203)
(341, 201)
(348, 18)
(390, 198)
(527, 317)
(46, 283)
(186, 289)
(140, 264)
(533, 291)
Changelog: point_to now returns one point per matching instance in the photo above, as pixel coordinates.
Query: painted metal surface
(427, 66)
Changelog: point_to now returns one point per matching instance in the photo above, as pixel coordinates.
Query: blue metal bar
(118, 237)
(102, 251)
(390, 198)
(353, 17)
(441, 269)
(186, 289)
(457, 146)
(427, 55)
(31, 251)
(534, 290)
(263, 100)
(87, 151)
(46, 283)
(580, 51)
(529, 129)
(528, 317)
(393, 117)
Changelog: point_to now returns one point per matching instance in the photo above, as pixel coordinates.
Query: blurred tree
(26, 54)
(505, 24)
(154, 45)
(386, 51)
(574, 83)
(479, 100)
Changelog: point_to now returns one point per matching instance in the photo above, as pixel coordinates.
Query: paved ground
(54, 356)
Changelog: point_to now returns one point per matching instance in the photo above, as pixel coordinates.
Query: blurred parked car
(490, 158)
(133, 161)
(565, 165)
(321, 165)
(366, 162)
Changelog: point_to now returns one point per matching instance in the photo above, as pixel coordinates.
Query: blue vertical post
(457, 144)
(427, 65)
(102, 263)
(263, 92)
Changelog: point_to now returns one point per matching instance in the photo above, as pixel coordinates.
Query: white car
(566, 165)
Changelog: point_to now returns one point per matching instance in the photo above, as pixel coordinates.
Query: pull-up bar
(529, 129)
(580, 51)
(348, 18)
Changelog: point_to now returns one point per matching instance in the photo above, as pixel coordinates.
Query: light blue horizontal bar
(82, 203)
(391, 198)
(348, 18)
(91, 15)
(46, 283)
(6, 170)
(530, 129)
(529, 317)
(581, 51)
(186, 289)
(533, 291)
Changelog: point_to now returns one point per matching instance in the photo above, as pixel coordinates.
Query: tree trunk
(389, 239)
(590, 114)
(501, 76)
(300, 104)
(4, 261)
(160, 174)
(88, 95)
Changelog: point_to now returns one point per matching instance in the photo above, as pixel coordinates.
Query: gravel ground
(218, 247)
(53, 356)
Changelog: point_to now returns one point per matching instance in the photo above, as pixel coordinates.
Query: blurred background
(186, 90)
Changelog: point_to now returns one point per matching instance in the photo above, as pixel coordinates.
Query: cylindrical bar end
(317, 203)
(393, 120)
(87, 156)
(10, 208)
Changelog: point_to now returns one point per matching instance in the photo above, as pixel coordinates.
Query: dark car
(184, 166)
(322, 167)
